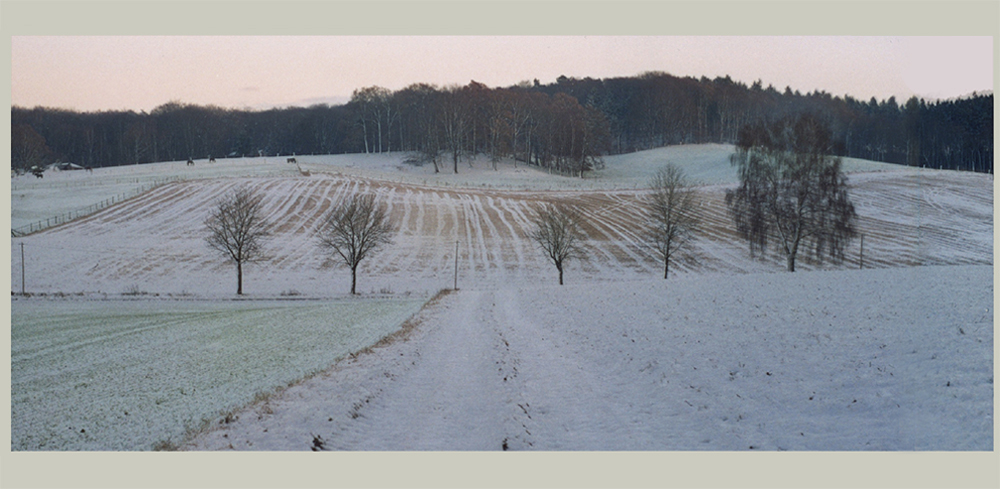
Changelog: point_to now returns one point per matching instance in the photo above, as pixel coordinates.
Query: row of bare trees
(455, 122)
(791, 191)
(352, 231)
(558, 125)
(792, 195)
(563, 126)
(672, 222)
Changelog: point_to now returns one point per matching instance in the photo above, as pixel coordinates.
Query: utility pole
(456, 265)
(22, 268)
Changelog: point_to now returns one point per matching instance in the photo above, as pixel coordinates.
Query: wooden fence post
(862, 251)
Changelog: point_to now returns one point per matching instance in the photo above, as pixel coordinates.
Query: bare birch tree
(671, 207)
(237, 227)
(791, 190)
(356, 229)
(557, 231)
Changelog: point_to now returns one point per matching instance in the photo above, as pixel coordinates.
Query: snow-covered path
(452, 397)
(804, 361)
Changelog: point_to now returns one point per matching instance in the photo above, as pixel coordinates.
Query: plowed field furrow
(400, 206)
(497, 256)
(169, 199)
(472, 234)
(291, 205)
(156, 241)
(622, 245)
(516, 233)
(145, 205)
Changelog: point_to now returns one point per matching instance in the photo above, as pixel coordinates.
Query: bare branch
(557, 232)
(671, 206)
(356, 229)
(791, 190)
(236, 229)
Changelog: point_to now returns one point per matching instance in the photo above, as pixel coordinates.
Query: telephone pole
(22, 268)
(456, 265)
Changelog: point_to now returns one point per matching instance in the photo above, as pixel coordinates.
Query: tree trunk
(560, 268)
(666, 267)
(364, 129)
(239, 278)
(791, 262)
(354, 279)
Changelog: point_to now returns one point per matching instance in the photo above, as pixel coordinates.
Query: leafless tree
(557, 231)
(237, 227)
(671, 206)
(356, 229)
(28, 148)
(791, 190)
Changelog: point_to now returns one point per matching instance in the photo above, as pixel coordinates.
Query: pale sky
(90, 73)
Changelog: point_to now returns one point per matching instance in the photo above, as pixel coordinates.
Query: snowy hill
(731, 353)
(155, 241)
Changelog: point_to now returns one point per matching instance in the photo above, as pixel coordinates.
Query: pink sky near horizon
(90, 73)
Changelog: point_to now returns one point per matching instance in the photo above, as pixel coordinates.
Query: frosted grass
(128, 375)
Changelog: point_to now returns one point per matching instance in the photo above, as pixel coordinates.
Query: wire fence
(92, 182)
(49, 222)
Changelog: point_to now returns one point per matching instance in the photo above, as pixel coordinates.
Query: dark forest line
(566, 126)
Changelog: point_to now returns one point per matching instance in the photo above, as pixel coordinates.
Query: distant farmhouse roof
(66, 166)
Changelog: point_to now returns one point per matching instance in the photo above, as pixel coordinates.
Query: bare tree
(28, 148)
(671, 206)
(355, 230)
(557, 231)
(791, 190)
(236, 228)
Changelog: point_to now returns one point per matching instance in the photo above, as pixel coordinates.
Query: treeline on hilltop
(564, 126)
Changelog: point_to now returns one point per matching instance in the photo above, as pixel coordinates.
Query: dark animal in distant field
(90, 169)
(190, 162)
(292, 160)
(211, 160)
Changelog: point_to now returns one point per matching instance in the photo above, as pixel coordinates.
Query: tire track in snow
(455, 376)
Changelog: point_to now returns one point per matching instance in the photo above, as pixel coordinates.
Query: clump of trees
(557, 231)
(791, 191)
(356, 229)
(237, 228)
(28, 149)
(672, 205)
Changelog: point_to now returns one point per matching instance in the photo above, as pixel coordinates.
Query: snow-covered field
(61, 192)
(128, 375)
(581, 383)
(844, 360)
(155, 242)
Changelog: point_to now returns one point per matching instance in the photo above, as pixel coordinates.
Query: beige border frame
(486, 17)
